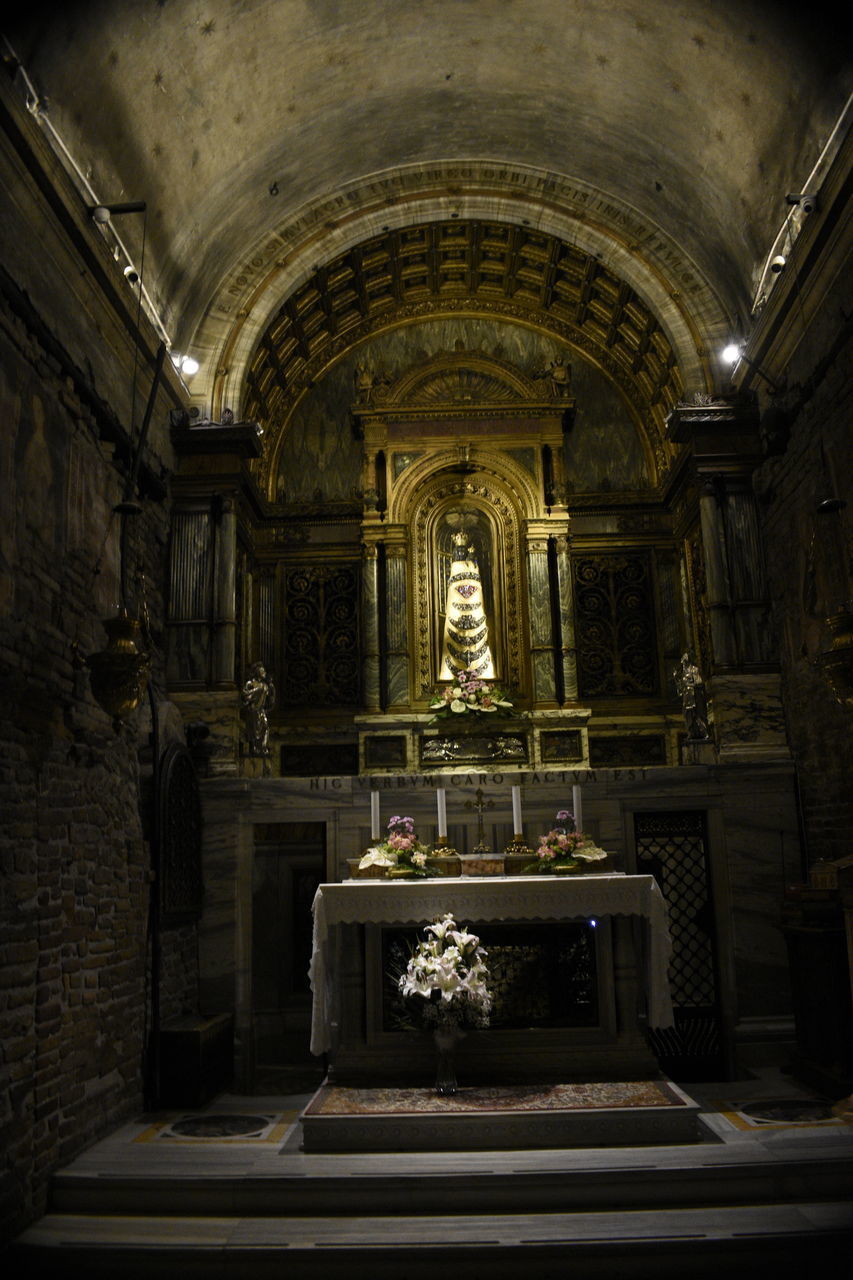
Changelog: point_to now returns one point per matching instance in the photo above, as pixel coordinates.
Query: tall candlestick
(577, 808)
(516, 811)
(441, 806)
(374, 815)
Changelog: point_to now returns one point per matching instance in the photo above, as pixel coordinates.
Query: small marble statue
(258, 698)
(691, 686)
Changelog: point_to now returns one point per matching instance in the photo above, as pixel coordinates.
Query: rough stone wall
(809, 565)
(74, 883)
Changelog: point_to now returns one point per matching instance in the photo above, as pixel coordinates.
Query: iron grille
(673, 848)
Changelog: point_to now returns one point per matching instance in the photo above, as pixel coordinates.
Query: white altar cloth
(488, 898)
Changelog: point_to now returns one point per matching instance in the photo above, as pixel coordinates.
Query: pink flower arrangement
(563, 850)
(401, 853)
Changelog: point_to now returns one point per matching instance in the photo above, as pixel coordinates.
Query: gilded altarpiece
(469, 501)
(485, 498)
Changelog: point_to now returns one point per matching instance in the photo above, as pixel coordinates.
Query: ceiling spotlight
(777, 264)
(731, 353)
(131, 275)
(100, 214)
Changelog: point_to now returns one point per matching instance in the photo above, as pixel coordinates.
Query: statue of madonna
(465, 644)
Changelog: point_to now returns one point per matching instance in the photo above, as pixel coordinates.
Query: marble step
(632, 1244)
(139, 1181)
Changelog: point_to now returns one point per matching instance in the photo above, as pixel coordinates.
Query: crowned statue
(465, 644)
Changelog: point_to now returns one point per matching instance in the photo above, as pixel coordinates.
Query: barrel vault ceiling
(613, 174)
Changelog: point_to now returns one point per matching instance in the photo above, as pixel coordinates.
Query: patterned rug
(335, 1100)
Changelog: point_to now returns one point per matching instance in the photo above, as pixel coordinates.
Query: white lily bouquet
(447, 975)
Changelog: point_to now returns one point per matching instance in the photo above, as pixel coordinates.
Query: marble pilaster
(225, 602)
(397, 630)
(371, 694)
(565, 603)
(540, 619)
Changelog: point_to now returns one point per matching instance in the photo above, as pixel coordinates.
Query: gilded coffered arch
(517, 274)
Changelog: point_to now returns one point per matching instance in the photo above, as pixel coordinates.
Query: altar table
(469, 899)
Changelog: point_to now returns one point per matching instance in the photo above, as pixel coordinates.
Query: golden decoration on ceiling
(466, 268)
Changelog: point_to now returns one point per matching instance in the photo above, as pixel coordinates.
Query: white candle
(441, 806)
(577, 808)
(374, 815)
(516, 811)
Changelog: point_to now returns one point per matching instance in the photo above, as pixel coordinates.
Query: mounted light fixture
(102, 213)
(733, 354)
(807, 202)
(186, 365)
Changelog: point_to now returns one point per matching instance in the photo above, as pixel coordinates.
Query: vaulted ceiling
(614, 173)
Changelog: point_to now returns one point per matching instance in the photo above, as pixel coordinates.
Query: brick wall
(74, 884)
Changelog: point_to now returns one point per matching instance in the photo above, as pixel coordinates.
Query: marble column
(397, 627)
(734, 566)
(224, 595)
(371, 693)
(539, 611)
(264, 629)
(566, 613)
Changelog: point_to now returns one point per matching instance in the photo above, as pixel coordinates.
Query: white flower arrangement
(447, 975)
(467, 693)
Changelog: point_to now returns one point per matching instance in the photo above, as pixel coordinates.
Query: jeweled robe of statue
(466, 629)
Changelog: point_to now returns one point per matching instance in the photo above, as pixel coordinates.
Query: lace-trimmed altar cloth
(482, 899)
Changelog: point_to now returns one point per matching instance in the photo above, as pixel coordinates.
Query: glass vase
(446, 1038)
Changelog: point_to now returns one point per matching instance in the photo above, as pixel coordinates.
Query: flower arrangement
(564, 849)
(447, 975)
(467, 694)
(400, 853)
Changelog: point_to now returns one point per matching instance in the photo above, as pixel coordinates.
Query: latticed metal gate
(673, 848)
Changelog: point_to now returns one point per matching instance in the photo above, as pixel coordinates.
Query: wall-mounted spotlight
(805, 201)
(778, 264)
(185, 365)
(131, 275)
(102, 213)
(734, 353)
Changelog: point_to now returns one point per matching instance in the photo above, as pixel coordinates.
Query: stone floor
(228, 1191)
